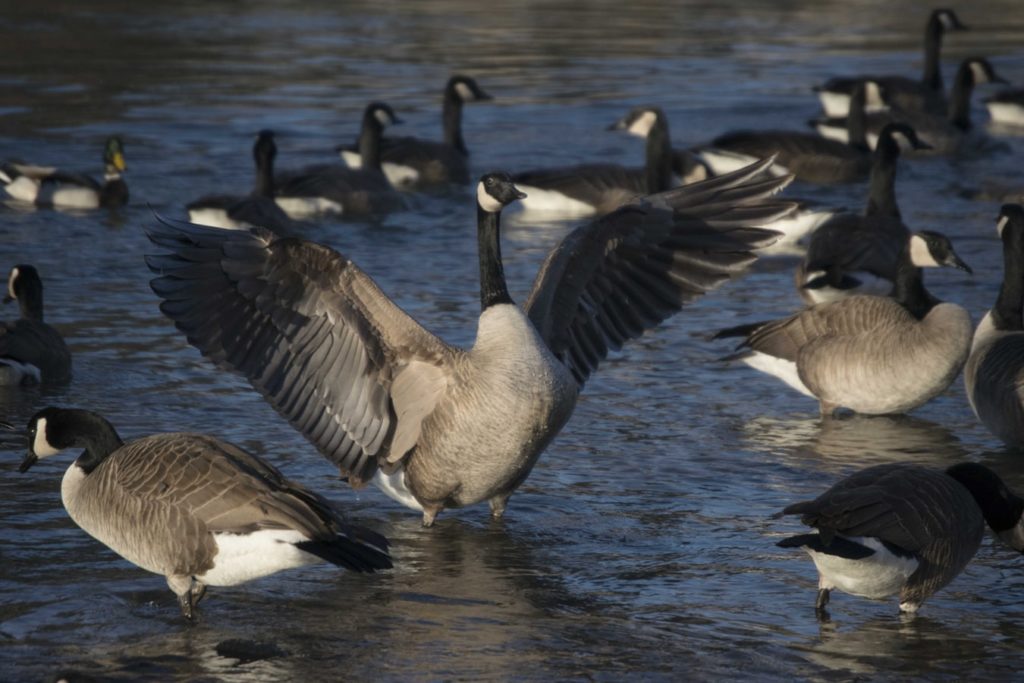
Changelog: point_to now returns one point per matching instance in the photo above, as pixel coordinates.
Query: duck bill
(118, 161)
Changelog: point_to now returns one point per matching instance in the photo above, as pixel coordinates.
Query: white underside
(841, 134)
(878, 576)
(398, 175)
(1005, 113)
(25, 189)
(553, 203)
(393, 486)
(870, 284)
(301, 208)
(13, 373)
(243, 557)
(794, 228)
(1014, 537)
(777, 367)
(723, 161)
(215, 218)
(834, 103)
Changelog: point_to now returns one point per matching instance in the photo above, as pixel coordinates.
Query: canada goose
(926, 94)
(807, 156)
(48, 186)
(30, 350)
(874, 355)
(411, 161)
(858, 254)
(332, 188)
(198, 510)
(994, 374)
(1006, 107)
(903, 528)
(436, 426)
(597, 189)
(953, 133)
(237, 213)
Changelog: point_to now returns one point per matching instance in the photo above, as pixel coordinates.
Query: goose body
(48, 186)
(31, 351)
(336, 189)
(597, 189)
(994, 374)
(1006, 108)
(873, 355)
(903, 529)
(416, 162)
(437, 426)
(192, 508)
(926, 94)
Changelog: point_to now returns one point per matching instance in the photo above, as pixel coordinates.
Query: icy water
(642, 545)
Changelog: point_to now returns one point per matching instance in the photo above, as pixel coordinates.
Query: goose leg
(198, 592)
(498, 504)
(429, 513)
(822, 601)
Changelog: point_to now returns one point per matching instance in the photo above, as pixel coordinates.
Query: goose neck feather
(451, 118)
(30, 301)
(960, 97)
(658, 169)
(369, 142)
(84, 429)
(908, 289)
(933, 32)
(1007, 314)
(882, 183)
(493, 290)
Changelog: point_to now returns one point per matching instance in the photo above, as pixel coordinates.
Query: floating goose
(858, 254)
(904, 529)
(926, 94)
(237, 213)
(433, 425)
(1006, 107)
(30, 350)
(332, 188)
(874, 355)
(48, 186)
(198, 510)
(994, 374)
(597, 189)
(415, 162)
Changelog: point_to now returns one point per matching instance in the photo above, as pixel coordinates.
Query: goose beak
(955, 261)
(519, 194)
(618, 125)
(921, 144)
(481, 96)
(27, 463)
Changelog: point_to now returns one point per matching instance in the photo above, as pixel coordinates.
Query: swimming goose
(239, 213)
(433, 425)
(415, 162)
(953, 133)
(30, 350)
(858, 254)
(926, 94)
(597, 189)
(994, 374)
(809, 157)
(874, 355)
(1006, 107)
(198, 510)
(48, 186)
(904, 529)
(332, 188)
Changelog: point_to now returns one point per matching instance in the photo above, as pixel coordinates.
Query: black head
(113, 154)
(22, 280)
(380, 114)
(1000, 506)
(496, 191)
(465, 89)
(1010, 216)
(264, 148)
(53, 430)
(933, 249)
(639, 121)
(901, 137)
(980, 71)
(947, 19)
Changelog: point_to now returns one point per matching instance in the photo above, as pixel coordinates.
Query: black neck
(451, 116)
(97, 436)
(960, 98)
(857, 122)
(1000, 506)
(264, 175)
(30, 303)
(882, 183)
(1006, 314)
(932, 75)
(908, 289)
(369, 142)
(492, 274)
(658, 171)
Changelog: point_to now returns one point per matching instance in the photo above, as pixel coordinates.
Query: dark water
(642, 543)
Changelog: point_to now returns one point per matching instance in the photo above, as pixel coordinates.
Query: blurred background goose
(903, 529)
(416, 162)
(195, 509)
(874, 355)
(924, 95)
(433, 425)
(1006, 107)
(994, 374)
(49, 186)
(30, 350)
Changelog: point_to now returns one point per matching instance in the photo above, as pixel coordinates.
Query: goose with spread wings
(433, 425)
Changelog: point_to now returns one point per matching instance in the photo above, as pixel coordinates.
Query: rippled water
(642, 543)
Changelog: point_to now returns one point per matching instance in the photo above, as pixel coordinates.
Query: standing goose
(239, 213)
(858, 254)
(994, 374)
(597, 189)
(437, 426)
(924, 95)
(48, 186)
(903, 528)
(1006, 107)
(411, 161)
(330, 188)
(30, 350)
(198, 510)
(874, 355)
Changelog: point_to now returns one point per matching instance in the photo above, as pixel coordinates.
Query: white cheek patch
(902, 141)
(486, 201)
(1003, 220)
(383, 117)
(464, 92)
(40, 446)
(873, 96)
(642, 125)
(946, 20)
(10, 283)
(920, 255)
(979, 73)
